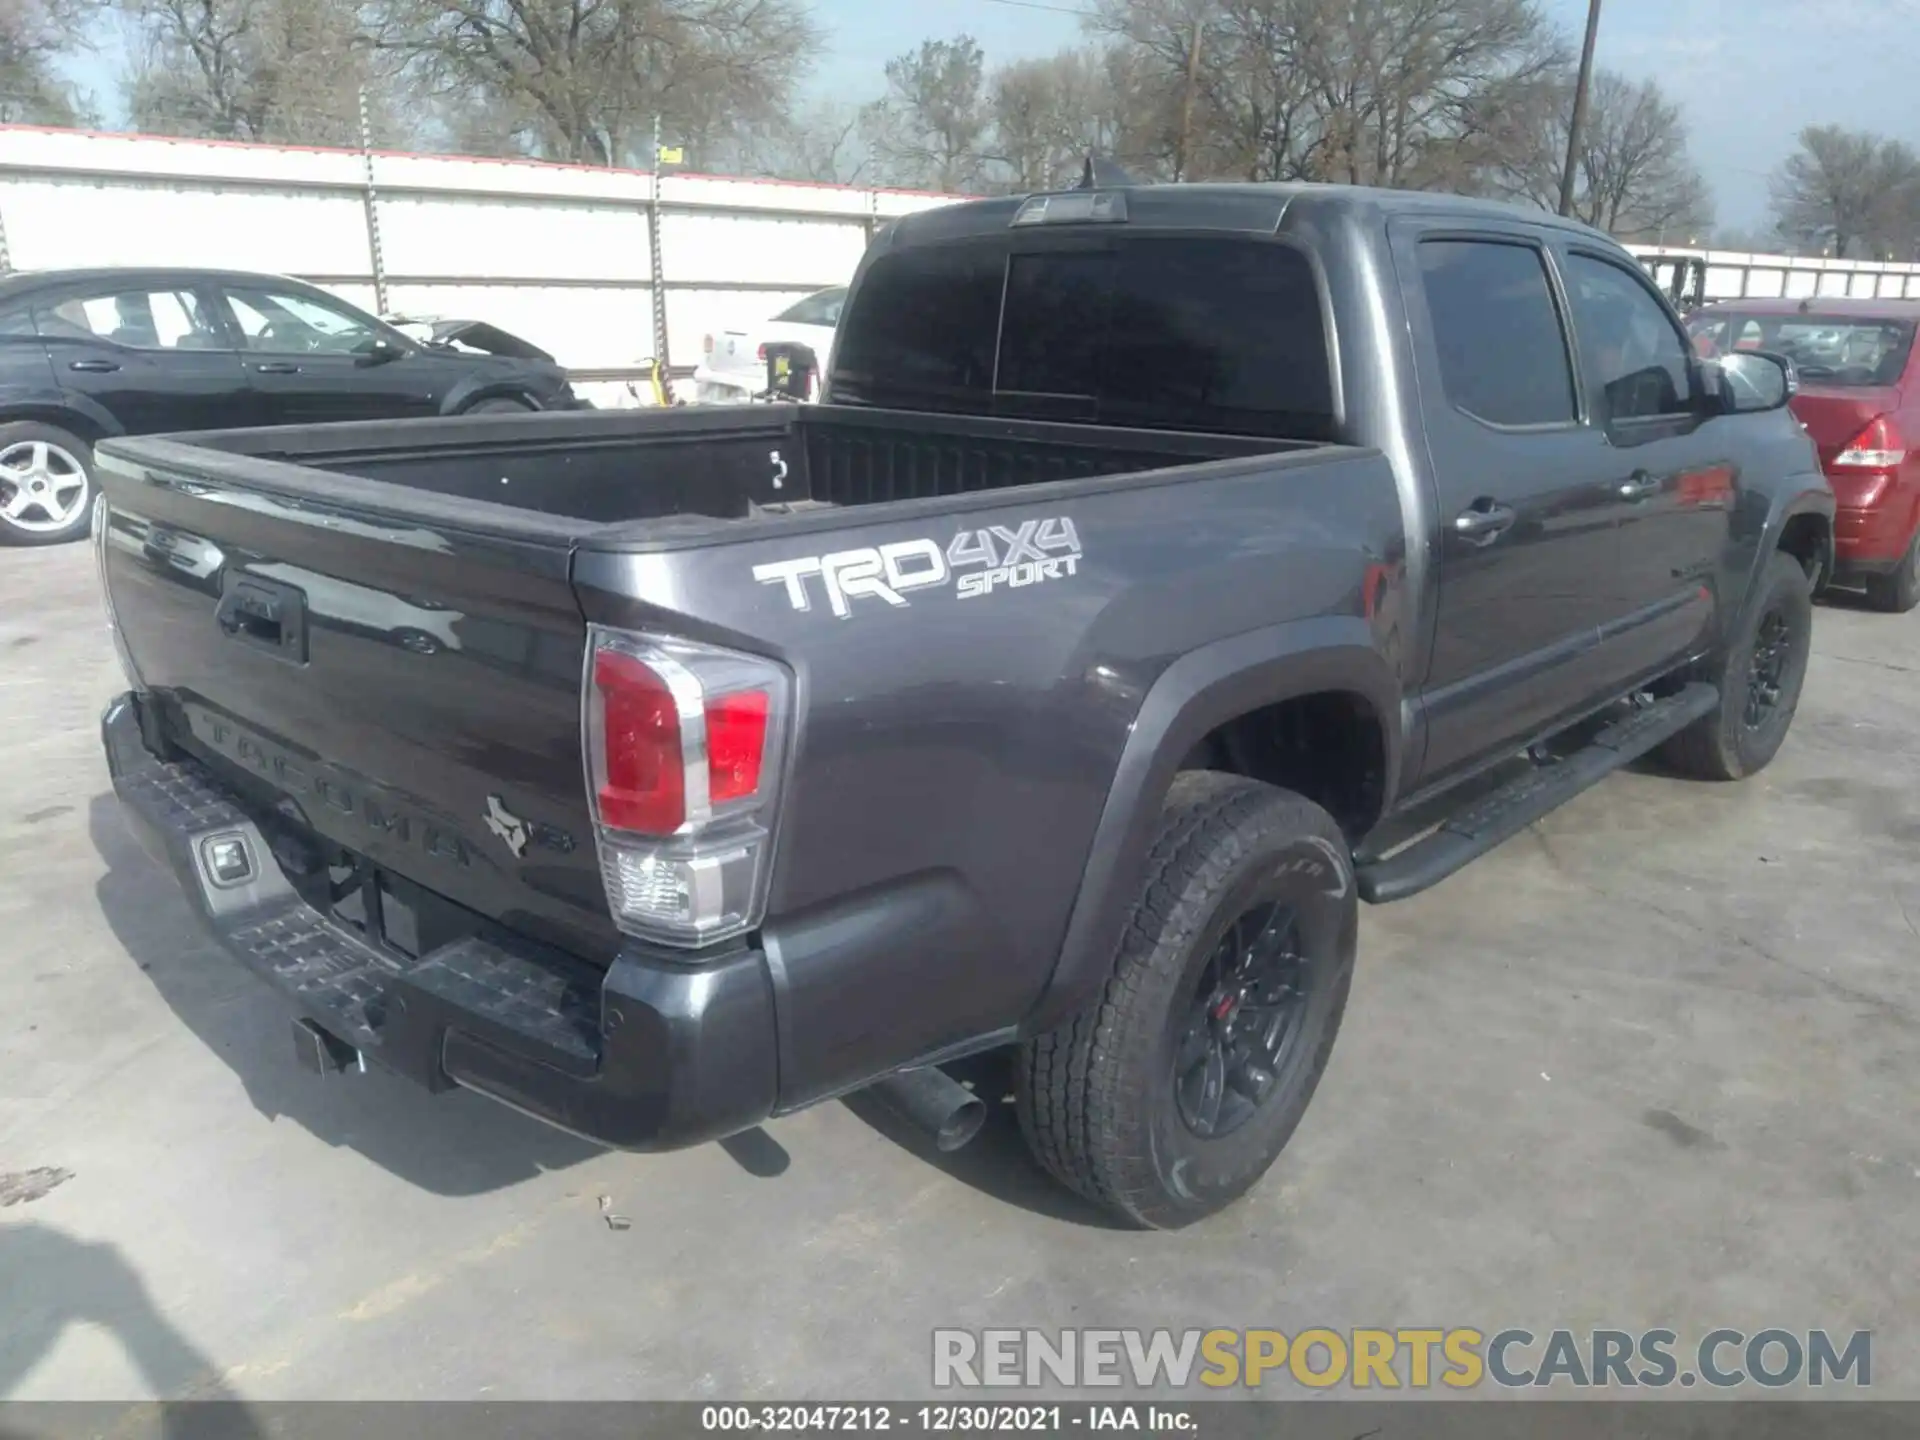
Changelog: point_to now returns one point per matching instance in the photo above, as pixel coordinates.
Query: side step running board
(1499, 816)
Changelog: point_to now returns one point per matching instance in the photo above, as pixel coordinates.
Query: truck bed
(733, 464)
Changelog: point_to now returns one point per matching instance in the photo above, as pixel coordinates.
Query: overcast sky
(1750, 73)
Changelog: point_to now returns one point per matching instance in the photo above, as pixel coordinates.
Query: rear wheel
(498, 405)
(1174, 1093)
(1759, 682)
(46, 484)
(1899, 591)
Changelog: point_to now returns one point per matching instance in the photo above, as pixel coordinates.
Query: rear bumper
(1869, 540)
(650, 1055)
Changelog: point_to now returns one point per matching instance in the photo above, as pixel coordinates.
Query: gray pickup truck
(1168, 570)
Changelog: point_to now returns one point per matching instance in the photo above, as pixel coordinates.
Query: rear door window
(140, 318)
(1503, 351)
(1218, 335)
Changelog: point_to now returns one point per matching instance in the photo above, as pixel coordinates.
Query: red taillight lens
(736, 744)
(760, 352)
(1880, 446)
(641, 771)
(685, 755)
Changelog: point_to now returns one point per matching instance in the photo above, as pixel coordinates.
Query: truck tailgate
(408, 690)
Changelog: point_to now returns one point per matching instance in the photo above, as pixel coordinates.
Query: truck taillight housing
(685, 745)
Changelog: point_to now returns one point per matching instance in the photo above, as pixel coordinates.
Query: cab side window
(1633, 354)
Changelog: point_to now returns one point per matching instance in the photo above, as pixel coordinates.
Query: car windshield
(821, 309)
(1830, 350)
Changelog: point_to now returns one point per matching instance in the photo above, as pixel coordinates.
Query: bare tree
(823, 143)
(1850, 192)
(1051, 112)
(265, 70)
(1633, 177)
(1377, 92)
(33, 37)
(594, 75)
(932, 130)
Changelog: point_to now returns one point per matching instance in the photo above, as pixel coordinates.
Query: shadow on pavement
(996, 1162)
(53, 1280)
(452, 1144)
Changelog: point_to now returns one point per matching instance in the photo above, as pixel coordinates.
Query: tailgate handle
(269, 616)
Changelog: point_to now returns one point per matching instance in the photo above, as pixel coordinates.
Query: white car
(734, 367)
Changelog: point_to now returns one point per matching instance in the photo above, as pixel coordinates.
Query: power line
(1037, 5)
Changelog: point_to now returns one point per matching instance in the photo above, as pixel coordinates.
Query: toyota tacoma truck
(1167, 571)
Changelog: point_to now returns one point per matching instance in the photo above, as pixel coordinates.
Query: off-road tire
(1096, 1097)
(1899, 591)
(1721, 745)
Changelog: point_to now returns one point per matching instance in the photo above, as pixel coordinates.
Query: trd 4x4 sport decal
(975, 563)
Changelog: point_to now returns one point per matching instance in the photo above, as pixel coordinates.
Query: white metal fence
(557, 253)
(1735, 275)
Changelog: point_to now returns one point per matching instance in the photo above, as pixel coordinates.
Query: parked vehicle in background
(1860, 401)
(468, 337)
(85, 354)
(733, 367)
(1065, 680)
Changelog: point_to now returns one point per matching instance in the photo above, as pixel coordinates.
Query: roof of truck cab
(1238, 207)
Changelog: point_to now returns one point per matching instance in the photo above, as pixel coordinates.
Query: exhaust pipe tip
(934, 1103)
(962, 1125)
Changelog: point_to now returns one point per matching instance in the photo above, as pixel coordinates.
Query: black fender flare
(1808, 495)
(1196, 694)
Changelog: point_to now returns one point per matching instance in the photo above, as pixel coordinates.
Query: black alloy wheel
(1244, 1013)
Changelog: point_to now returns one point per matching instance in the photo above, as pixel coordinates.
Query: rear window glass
(821, 309)
(1219, 335)
(1829, 350)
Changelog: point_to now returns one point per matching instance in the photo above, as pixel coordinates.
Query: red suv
(1860, 401)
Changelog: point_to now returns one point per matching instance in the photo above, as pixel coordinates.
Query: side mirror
(380, 351)
(1749, 382)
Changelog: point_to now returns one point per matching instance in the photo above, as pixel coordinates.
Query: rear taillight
(1878, 447)
(684, 746)
(760, 352)
(706, 344)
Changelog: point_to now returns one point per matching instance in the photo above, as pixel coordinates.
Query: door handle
(94, 367)
(1483, 522)
(1638, 486)
(277, 367)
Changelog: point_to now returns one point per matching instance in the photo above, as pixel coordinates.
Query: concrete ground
(1651, 1064)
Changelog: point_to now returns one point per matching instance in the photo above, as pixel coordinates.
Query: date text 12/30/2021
(946, 1419)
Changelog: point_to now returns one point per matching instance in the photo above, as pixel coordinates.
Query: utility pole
(657, 282)
(1578, 123)
(1186, 108)
(370, 203)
